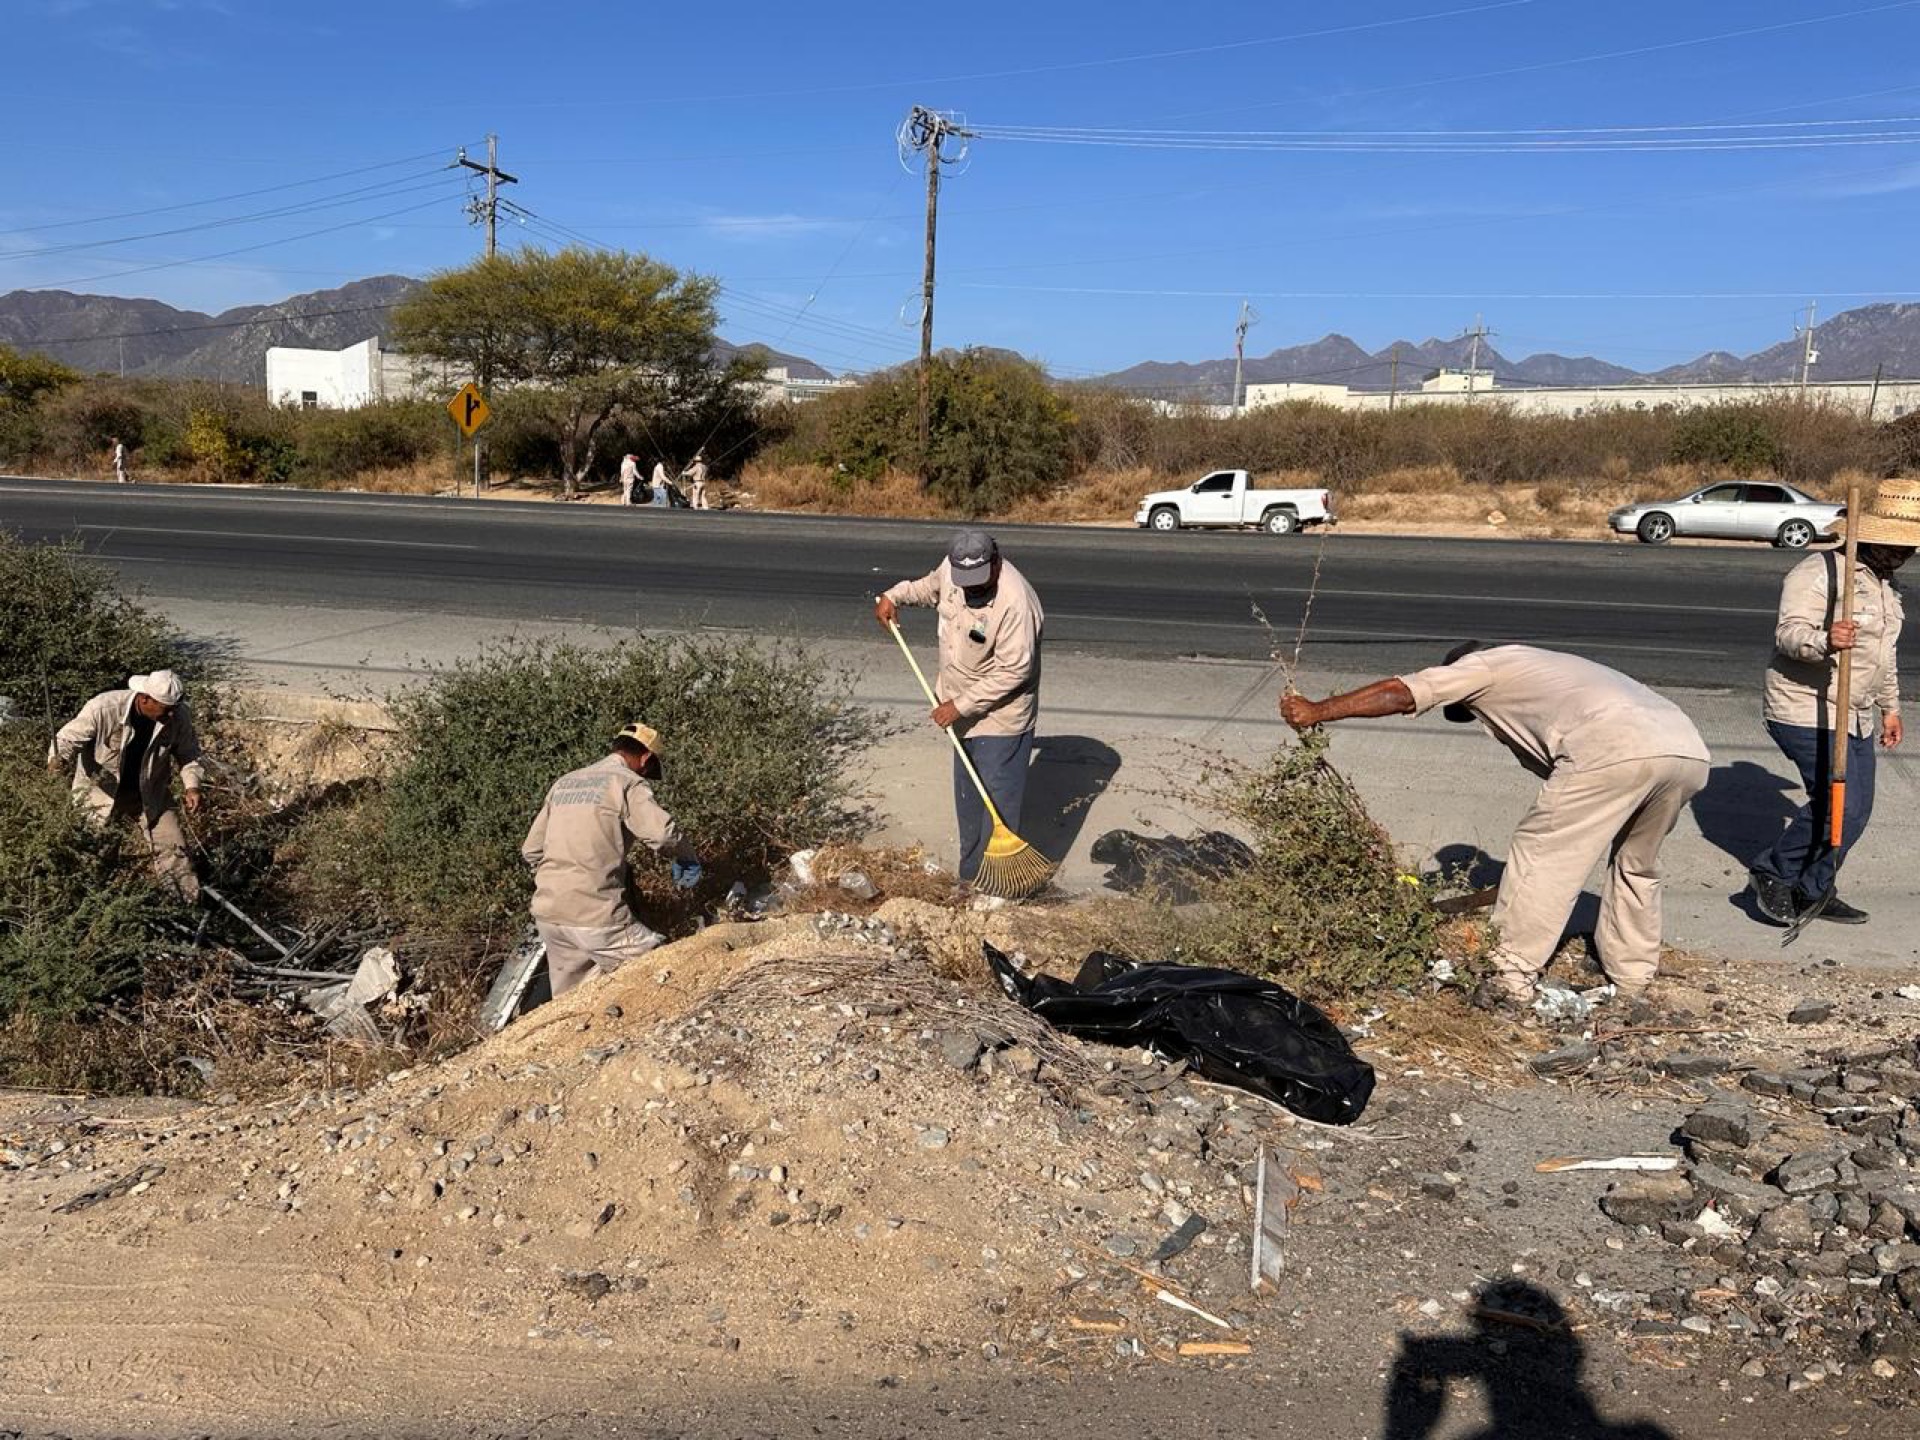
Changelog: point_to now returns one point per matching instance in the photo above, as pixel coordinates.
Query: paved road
(1693, 616)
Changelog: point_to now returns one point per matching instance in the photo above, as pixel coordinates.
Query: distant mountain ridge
(145, 337)
(1850, 345)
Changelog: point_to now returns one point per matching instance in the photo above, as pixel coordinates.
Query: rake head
(1011, 868)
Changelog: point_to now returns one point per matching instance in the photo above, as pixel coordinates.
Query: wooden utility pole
(1808, 355)
(1247, 317)
(487, 211)
(1873, 395)
(925, 131)
(1479, 333)
(1393, 377)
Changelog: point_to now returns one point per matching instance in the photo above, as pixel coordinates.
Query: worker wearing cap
(629, 477)
(123, 746)
(1620, 764)
(696, 477)
(989, 682)
(1802, 707)
(578, 847)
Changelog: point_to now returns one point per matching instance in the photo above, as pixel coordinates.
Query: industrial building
(1874, 399)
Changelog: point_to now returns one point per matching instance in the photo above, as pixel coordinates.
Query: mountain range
(1850, 346)
(147, 338)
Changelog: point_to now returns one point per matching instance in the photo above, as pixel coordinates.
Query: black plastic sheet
(1229, 1027)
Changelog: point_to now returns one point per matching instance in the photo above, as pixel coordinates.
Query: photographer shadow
(1524, 1360)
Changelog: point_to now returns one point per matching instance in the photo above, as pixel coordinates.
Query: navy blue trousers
(1002, 763)
(1801, 857)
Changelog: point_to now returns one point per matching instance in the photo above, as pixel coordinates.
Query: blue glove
(686, 873)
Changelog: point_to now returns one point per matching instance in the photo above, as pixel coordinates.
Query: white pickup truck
(1228, 499)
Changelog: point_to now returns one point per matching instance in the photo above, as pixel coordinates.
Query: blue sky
(755, 142)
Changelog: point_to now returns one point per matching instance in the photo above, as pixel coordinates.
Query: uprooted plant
(1324, 906)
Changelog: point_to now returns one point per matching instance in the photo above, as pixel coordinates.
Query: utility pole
(1873, 395)
(1248, 316)
(925, 131)
(487, 211)
(1479, 333)
(1808, 355)
(1393, 377)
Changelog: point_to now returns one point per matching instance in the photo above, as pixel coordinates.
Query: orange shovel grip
(1836, 813)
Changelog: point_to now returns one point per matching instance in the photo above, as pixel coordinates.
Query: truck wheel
(1794, 535)
(1164, 519)
(1655, 528)
(1281, 522)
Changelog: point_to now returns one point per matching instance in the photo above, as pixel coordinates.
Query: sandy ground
(749, 1190)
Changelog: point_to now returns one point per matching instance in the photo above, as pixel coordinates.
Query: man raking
(989, 681)
(1620, 764)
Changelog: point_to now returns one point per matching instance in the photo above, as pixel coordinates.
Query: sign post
(470, 411)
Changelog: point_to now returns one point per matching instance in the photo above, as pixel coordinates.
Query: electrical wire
(224, 199)
(240, 250)
(385, 189)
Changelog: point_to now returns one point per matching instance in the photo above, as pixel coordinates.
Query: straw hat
(1892, 517)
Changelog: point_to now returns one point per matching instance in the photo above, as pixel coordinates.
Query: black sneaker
(1841, 913)
(1773, 896)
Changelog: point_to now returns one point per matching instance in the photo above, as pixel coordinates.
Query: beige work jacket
(93, 741)
(578, 843)
(1554, 710)
(1803, 681)
(989, 657)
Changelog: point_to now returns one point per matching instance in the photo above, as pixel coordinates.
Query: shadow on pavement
(1525, 1363)
(1068, 773)
(1744, 808)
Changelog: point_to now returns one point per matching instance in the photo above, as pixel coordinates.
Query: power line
(222, 199)
(1604, 55)
(241, 250)
(385, 189)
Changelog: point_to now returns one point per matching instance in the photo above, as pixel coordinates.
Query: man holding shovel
(1816, 642)
(989, 681)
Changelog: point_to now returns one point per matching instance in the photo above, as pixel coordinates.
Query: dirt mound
(793, 1143)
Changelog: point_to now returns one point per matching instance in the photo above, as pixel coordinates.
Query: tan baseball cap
(644, 734)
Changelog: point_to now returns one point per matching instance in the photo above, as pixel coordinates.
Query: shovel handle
(1843, 699)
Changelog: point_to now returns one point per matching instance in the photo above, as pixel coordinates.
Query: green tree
(24, 378)
(999, 430)
(582, 336)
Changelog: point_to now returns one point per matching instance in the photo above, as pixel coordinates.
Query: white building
(1882, 400)
(365, 373)
(358, 375)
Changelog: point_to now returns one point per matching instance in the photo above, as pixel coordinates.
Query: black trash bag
(1230, 1027)
(1174, 866)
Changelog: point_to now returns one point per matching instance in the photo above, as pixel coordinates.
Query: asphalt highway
(1687, 616)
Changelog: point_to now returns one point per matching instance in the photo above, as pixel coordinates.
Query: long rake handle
(1843, 706)
(958, 748)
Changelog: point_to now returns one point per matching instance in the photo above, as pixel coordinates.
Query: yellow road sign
(469, 409)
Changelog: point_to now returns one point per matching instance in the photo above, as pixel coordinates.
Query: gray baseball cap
(970, 558)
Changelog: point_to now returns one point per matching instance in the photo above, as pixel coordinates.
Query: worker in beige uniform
(578, 847)
(696, 477)
(989, 681)
(123, 746)
(1802, 702)
(1620, 763)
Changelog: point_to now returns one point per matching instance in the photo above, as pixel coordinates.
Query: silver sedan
(1733, 510)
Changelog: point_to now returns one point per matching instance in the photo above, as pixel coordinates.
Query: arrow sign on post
(469, 409)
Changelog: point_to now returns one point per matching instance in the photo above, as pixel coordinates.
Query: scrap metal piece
(503, 1000)
(1275, 1191)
